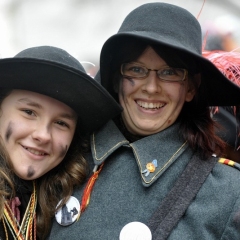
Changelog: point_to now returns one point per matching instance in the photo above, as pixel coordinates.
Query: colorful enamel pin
(150, 167)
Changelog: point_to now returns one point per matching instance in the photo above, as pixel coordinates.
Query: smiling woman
(160, 156)
(45, 115)
(144, 115)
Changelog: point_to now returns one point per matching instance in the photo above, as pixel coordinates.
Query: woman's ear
(193, 86)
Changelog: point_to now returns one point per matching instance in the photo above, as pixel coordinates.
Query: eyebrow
(31, 103)
(69, 116)
(142, 64)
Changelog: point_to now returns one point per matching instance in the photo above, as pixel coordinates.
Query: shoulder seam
(229, 163)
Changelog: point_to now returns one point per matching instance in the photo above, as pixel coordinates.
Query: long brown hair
(55, 185)
(196, 125)
(6, 183)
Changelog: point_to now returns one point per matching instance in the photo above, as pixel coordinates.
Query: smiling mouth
(35, 152)
(150, 105)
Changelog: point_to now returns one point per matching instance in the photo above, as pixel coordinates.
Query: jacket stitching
(164, 166)
(110, 150)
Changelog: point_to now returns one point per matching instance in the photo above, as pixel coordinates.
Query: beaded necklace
(28, 225)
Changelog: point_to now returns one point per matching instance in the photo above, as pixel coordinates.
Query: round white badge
(135, 231)
(69, 212)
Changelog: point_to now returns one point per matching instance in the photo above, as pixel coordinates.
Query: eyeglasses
(170, 74)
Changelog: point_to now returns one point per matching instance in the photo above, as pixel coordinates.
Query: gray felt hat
(54, 72)
(167, 25)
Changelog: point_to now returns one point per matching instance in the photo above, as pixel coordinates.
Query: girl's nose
(41, 133)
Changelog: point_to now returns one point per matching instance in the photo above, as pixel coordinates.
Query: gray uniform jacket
(126, 191)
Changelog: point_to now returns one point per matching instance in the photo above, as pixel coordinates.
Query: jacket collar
(107, 140)
(165, 149)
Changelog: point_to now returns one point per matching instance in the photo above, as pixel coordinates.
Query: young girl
(46, 108)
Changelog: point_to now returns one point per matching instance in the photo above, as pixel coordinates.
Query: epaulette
(229, 163)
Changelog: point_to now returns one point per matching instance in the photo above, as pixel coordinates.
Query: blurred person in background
(221, 34)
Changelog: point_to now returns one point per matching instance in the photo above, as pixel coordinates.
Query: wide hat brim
(93, 104)
(167, 25)
(215, 88)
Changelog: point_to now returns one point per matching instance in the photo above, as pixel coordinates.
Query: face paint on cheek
(9, 131)
(30, 172)
(131, 81)
(124, 85)
(63, 152)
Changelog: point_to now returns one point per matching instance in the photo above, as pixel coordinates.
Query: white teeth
(35, 152)
(150, 105)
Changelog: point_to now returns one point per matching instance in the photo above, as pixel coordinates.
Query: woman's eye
(168, 71)
(137, 69)
(29, 112)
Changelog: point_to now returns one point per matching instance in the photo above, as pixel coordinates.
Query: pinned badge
(150, 167)
(69, 212)
(135, 230)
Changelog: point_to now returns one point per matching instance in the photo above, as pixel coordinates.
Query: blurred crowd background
(82, 26)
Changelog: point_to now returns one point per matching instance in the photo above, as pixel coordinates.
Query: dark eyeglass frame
(155, 70)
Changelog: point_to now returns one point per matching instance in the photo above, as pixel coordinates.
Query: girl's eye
(63, 124)
(29, 112)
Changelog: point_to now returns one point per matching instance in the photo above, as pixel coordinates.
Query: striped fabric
(229, 163)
